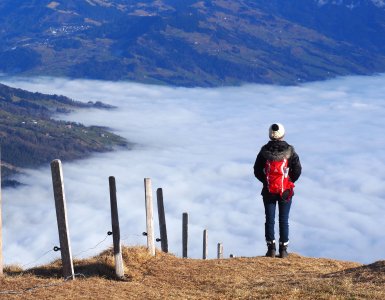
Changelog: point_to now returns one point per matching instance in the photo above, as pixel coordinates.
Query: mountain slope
(168, 277)
(29, 137)
(193, 43)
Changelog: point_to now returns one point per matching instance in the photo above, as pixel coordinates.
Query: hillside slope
(168, 277)
(193, 43)
(30, 137)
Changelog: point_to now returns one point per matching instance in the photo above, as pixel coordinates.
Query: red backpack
(277, 176)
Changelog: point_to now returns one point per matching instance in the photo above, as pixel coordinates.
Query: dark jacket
(275, 151)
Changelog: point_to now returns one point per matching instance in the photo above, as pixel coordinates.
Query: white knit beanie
(276, 131)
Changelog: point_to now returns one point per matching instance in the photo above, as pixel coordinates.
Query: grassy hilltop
(168, 277)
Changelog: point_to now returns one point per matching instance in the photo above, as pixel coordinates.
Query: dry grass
(168, 277)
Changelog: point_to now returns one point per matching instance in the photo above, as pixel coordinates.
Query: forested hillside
(193, 43)
(30, 137)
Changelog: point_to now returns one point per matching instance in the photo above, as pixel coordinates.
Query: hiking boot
(270, 249)
(283, 250)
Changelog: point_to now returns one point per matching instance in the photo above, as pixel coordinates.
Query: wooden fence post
(205, 238)
(1, 222)
(185, 234)
(149, 216)
(119, 267)
(220, 251)
(61, 215)
(162, 221)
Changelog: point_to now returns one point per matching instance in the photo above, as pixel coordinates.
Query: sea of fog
(199, 145)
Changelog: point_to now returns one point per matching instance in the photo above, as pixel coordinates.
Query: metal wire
(81, 252)
(37, 259)
(35, 287)
(92, 248)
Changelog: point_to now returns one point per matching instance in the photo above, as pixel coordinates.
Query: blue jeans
(270, 203)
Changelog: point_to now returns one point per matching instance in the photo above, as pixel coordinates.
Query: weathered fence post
(119, 267)
(205, 251)
(1, 222)
(61, 215)
(220, 251)
(185, 234)
(149, 217)
(162, 220)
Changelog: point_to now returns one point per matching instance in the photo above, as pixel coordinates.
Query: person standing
(277, 166)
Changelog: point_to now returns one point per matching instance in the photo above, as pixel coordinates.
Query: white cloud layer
(199, 145)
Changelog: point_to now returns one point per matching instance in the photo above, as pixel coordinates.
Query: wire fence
(55, 249)
(64, 242)
(21, 291)
(76, 255)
